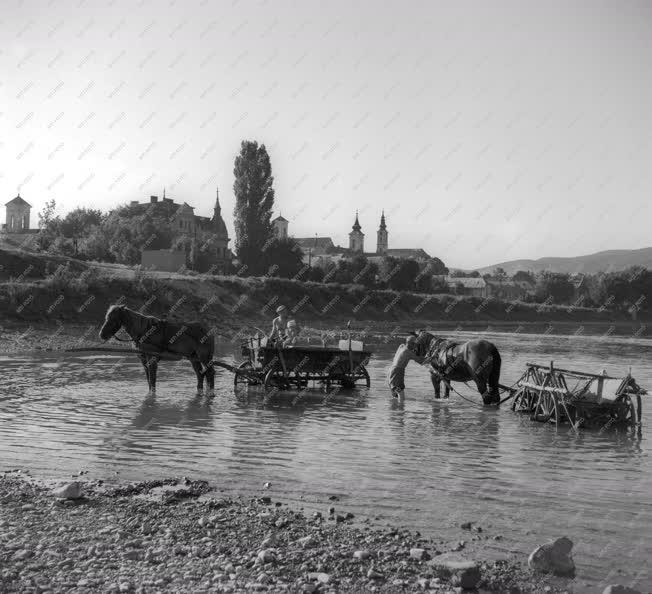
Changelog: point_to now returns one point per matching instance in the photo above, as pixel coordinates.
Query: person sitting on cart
(292, 334)
(396, 376)
(279, 325)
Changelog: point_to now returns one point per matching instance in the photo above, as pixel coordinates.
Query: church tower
(221, 235)
(356, 237)
(382, 242)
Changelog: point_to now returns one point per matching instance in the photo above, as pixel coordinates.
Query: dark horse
(477, 360)
(156, 339)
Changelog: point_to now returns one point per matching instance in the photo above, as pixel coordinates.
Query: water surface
(426, 464)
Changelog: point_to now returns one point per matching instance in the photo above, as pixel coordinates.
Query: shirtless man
(279, 324)
(396, 376)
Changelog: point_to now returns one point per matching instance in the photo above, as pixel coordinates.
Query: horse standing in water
(477, 360)
(156, 339)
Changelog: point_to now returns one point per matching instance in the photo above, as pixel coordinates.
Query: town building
(280, 227)
(382, 237)
(356, 237)
(17, 216)
(472, 286)
(210, 232)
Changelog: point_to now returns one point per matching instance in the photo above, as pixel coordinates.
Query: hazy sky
(488, 131)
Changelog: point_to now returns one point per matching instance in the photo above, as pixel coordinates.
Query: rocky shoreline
(180, 535)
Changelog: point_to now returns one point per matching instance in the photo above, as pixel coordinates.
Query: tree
(555, 287)
(283, 257)
(405, 276)
(78, 223)
(49, 225)
(499, 274)
(254, 197)
(356, 270)
(524, 276)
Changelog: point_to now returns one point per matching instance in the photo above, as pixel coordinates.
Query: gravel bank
(179, 536)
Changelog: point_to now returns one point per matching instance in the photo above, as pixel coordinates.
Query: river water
(425, 464)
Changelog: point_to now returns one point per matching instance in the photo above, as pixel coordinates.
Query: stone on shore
(361, 555)
(318, 576)
(266, 556)
(462, 572)
(68, 491)
(419, 554)
(553, 557)
(618, 589)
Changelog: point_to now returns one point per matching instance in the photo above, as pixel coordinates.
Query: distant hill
(608, 261)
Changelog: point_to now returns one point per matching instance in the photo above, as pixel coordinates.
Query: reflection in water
(421, 463)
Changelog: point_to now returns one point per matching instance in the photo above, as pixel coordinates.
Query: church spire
(382, 221)
(217, 210)
(356, 225)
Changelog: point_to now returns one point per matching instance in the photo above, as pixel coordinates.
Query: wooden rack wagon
(555, 395)
(281, 368)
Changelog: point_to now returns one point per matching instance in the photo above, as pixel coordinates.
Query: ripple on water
(424, 464)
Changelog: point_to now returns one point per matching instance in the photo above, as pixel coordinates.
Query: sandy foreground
(178, 535)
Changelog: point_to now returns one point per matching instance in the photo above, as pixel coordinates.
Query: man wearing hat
(404, 354)
(279, 324)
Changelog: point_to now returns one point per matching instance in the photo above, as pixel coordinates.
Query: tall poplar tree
(254, 199)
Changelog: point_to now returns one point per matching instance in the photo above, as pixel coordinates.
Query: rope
(475, 402)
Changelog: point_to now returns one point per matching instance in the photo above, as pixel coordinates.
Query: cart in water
(295, 366)
(553, 395)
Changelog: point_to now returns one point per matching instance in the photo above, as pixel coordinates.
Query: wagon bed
(282, 368)
(555, 395)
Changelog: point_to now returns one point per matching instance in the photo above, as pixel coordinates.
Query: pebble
(68, 491)
(361, 555)
(618, 589)
(372, 574)
(419, 554)
(322, 578)
(266, 556)
(553, 557)
(22, 555)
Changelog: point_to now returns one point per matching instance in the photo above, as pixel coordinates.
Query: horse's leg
(153, 368)
(196, 365)
(436, 384)
(143, 360)
(494, 377)
(447, 389)
(210, 377)
(481, 383)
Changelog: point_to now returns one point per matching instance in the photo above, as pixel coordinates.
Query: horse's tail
(494, 374)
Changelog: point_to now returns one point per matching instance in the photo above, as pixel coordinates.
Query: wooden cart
(556, 396)
(283, 368)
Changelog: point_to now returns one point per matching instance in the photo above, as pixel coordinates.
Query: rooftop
(18, 201)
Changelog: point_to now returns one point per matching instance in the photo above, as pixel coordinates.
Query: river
(428, 465)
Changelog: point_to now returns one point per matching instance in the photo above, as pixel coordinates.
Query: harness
(441, 356)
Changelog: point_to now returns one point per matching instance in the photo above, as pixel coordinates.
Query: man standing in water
(396, 376)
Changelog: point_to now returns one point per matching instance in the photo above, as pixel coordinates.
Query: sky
(487, 131)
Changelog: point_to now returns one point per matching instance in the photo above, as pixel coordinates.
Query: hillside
(607, 261)
(41, 292)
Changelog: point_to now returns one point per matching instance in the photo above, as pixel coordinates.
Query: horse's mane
(151, 320)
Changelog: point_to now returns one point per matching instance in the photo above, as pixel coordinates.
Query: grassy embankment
(46, 294)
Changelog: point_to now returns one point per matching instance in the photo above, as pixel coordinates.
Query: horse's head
(423, 342)
(112, 322)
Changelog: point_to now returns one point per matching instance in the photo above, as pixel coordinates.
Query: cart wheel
(547, 408)
(365, 375)
(274, 381)
(517, 404)
(631, 416)
(244, 375)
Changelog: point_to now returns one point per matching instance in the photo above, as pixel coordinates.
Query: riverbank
(56, 299)
(181, 535)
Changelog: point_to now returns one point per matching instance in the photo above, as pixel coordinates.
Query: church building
(356, 237)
